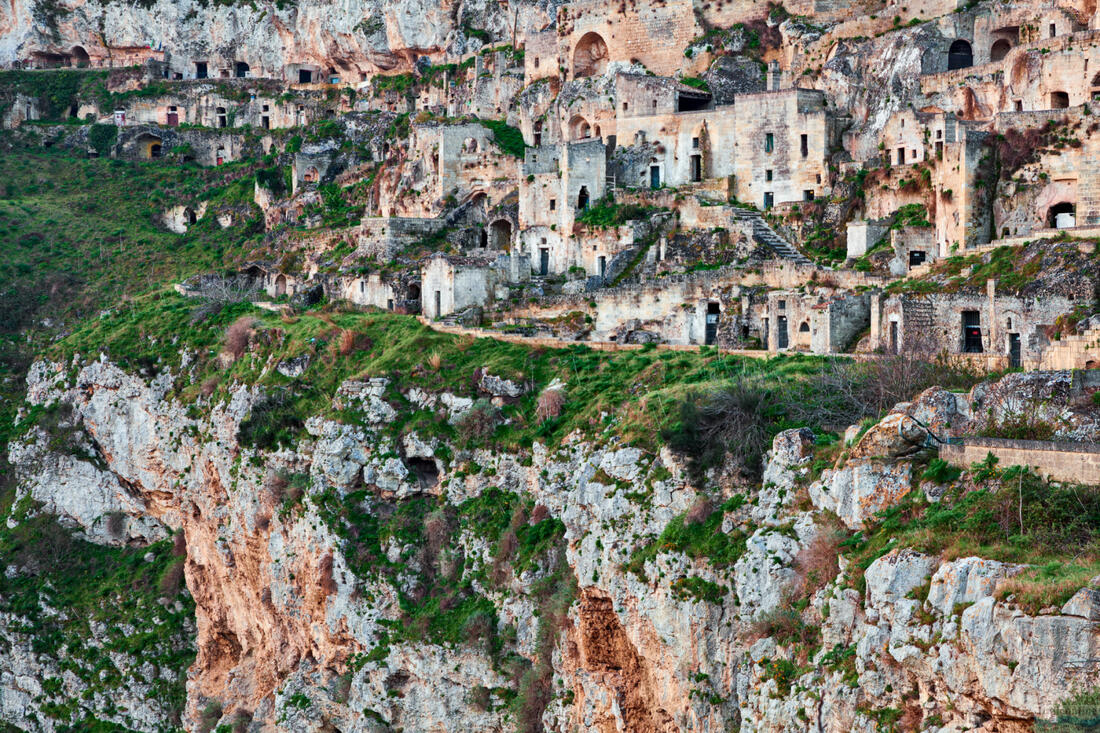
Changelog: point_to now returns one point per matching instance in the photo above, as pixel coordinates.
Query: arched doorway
(500, 234)
(960, 55)
(590, 56)
(1062, 216)
(241, 69)
(999, 50)
(150, 146)
(582, 198)
(579, 129)
(79, 57)
(311, 175)
(280, 285)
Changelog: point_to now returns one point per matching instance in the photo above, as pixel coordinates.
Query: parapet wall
(1057, 460)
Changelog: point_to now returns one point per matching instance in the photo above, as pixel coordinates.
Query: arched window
(579, 128)
(590, 56)
(999, 50)
(960, 55)
(805, 327)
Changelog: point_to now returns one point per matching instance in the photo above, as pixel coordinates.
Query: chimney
(775, 76)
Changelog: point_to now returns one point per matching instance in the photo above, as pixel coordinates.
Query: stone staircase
(765, 235)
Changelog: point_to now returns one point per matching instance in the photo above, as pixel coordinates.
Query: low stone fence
(1058, 460)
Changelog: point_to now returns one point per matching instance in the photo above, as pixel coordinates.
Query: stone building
(783, 140)
(451, 284)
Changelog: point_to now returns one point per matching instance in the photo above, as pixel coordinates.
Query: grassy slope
(76, 236)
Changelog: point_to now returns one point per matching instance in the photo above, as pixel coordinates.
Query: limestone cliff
(372, 579)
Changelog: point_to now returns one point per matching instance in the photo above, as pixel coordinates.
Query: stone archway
(79, 57)
(500, 234)
(590, 56)
(999, 50)
(960, 55)
(150, 146)
(579, 128)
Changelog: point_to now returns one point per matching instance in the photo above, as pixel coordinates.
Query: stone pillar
(995, 346)
(876, 318)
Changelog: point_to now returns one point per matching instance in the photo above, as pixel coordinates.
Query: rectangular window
(807, 195)
(624, 106)
(805, 145)
(553, 204)
(1053, 30)
(972, 332)
(768, 175)
(769, 142)
(695, 142)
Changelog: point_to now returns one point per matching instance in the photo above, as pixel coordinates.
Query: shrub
(817, 563)
(941, 472)
(550, 404)
(735, 420)
(274, 421)
(478, 423)
(238, 336)
(210, 716)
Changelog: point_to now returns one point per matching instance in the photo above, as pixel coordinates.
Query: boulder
(891, 577)
(856, 492)
(966, 581)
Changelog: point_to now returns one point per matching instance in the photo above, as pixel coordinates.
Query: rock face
(361, 35)
(292, 634)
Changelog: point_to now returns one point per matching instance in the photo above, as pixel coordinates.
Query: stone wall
(1057, 460)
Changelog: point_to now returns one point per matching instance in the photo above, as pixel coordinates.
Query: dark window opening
(685, 103)
(769, 142)
(305, 76)
(972, 332)
(768, 174)
(893, 337)
(603, 265)
(553, 204)
(710, 335)
(807, 195)
(200, 69)
(916, 258)
(582, 198)
(960, 55)
(438, 304)
(805, 145)
(1059, 100)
